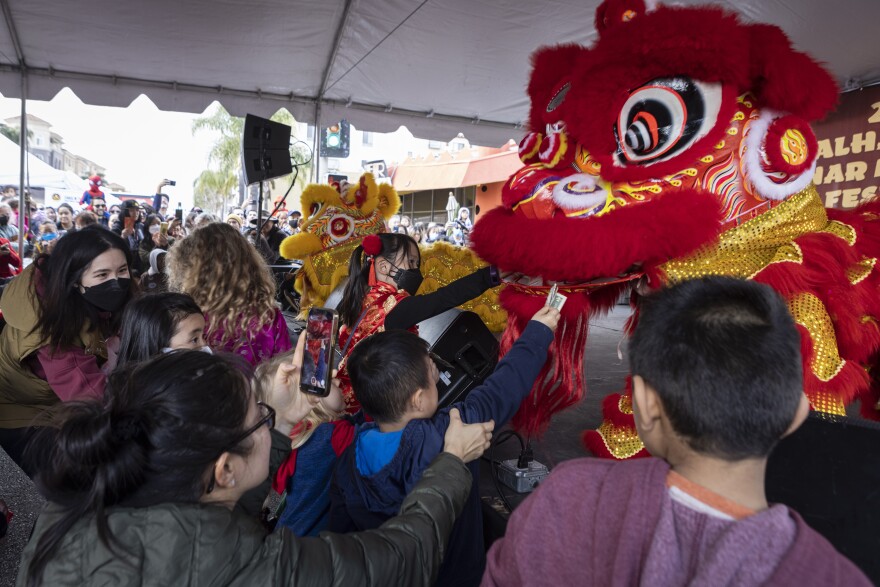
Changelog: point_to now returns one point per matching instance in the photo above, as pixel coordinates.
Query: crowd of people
(456, 232)
(151, 387)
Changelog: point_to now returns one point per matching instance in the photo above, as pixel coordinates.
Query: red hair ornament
(372, 246)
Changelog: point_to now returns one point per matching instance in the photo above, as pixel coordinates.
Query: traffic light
(335, 140)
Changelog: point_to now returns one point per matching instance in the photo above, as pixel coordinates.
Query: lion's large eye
(664, 117)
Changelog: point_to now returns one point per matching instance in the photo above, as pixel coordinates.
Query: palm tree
(212, 189)
(226, 153)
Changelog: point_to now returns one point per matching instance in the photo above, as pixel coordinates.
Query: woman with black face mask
(60, 313)
(380, 293)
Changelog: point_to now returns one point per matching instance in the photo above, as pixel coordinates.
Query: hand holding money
(547, 316)
(555, 299)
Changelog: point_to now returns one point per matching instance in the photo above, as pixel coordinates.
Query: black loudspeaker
(265, 149)
(829, 472)
(466, 349)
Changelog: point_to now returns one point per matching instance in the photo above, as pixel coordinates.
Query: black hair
(724, 357)
(152, 439)
(62, 311)
(386, 369)
(68, 206)
(357, 283)
(148, 244)
(149, 322)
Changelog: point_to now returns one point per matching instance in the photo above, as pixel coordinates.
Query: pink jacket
(256, 347)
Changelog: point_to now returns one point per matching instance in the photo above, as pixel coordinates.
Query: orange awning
(449, 173)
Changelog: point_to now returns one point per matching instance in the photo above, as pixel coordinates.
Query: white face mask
(154, 229)
(204, 349)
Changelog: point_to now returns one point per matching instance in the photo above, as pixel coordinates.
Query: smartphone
(129, 222)
(171, 182)
(163, 228)
(317, 365)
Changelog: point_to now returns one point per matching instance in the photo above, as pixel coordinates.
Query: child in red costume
(94, 191)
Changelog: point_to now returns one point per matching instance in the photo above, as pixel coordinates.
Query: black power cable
(500, 439)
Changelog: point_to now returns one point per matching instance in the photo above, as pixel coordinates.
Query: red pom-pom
(372, 245)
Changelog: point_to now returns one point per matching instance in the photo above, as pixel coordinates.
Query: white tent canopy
(39, 173)
(439, 67)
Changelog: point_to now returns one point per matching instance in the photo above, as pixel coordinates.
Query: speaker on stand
(265, 151)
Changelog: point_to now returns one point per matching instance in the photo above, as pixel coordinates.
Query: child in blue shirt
(395, 381)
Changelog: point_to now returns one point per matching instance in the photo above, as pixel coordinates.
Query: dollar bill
(554, 298)
(557, 301)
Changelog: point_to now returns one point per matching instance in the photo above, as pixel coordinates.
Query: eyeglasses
(267, 419)
(99, 206)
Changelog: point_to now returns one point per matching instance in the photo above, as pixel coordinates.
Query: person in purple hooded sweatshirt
(717, 381)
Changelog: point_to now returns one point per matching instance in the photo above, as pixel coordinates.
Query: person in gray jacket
(142, 486)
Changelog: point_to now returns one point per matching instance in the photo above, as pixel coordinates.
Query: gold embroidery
(622, 442)
(841, 230)
(809, 311)
(858, 272)
(827, 403)
(742, 251)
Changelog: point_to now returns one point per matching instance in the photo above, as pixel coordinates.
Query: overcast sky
(138, 145)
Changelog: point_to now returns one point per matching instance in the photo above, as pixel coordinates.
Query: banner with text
(848, 169)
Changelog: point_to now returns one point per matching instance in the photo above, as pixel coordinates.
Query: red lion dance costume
(679, 146)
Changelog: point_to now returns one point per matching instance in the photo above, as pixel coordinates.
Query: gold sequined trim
(841, 230)
(827, 403)
(790, 253)
(327, 261)
(624, 404)
(622, 442)
(858, 272)
(744, 250)
(809, 311)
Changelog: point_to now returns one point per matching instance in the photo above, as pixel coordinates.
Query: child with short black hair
(395, 380)
(717, 381)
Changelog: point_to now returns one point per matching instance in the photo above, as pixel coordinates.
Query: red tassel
(371, 281)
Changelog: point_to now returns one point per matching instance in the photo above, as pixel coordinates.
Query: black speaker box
(265, 149)
(829, 472)
(467, 349)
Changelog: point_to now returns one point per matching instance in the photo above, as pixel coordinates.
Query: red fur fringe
(568, 249)
(822, 273)
(785, 79)
(550, 65)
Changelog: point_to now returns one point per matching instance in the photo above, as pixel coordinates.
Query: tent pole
(22, 143)
(316, 153)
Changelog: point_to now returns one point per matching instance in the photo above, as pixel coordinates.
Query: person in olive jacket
(142, 486)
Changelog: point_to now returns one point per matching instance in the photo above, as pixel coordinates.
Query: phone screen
(317, 365)
(129, 222)
(163, 227)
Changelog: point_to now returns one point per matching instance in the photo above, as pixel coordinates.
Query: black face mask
(409, 280)
(108, 296)
(4, 220)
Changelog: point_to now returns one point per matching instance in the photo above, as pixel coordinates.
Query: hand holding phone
(163, 228)
(317, 359)
(129, 223)
(291, 405)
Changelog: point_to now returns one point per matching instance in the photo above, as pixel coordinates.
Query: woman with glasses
(144, 482)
